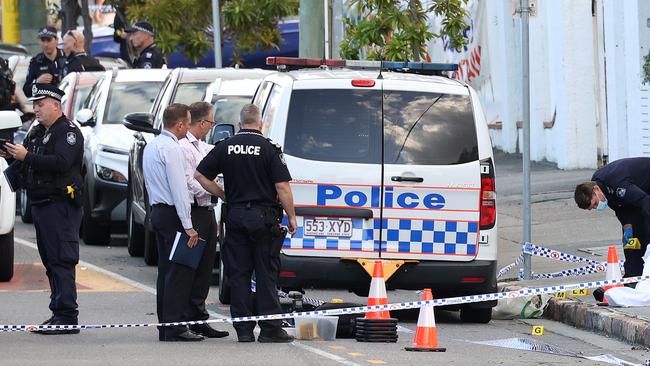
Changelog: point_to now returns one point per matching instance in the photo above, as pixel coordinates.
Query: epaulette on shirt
(222, 140)
(277, 146)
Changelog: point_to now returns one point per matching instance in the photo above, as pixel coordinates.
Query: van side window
(262, 95)
(269, 110)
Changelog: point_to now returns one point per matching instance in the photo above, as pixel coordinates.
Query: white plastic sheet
(627, 296)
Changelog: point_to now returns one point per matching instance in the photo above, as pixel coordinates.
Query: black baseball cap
(41, 91)
(142, 27)
(47, 32)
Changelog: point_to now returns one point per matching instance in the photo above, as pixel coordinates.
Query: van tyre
(150, 248)
(135, 231)
(475, 315)
(92, 231)
(25, 208)
(7, 256)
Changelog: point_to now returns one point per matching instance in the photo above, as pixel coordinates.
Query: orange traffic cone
(426, 335)
(377, 294)
(613, 270)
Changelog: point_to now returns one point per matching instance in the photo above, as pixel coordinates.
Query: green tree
(247, 23)
(397, 29)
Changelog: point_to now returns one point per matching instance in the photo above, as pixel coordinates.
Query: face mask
(602, 204)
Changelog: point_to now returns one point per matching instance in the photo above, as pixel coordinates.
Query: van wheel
(135, 231)
(475, 315)
(7, 256)
(92, 231)
(25, 208)
(150, 248)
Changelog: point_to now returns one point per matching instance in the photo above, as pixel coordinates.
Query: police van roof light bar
(303, 62)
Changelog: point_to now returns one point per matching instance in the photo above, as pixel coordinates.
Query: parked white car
(107, 143)
(9, 122)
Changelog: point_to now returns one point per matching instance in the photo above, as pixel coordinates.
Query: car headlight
(110, 175)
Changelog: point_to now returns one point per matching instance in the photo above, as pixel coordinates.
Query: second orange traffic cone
(426, 334)
(613, 270)
(377, 294)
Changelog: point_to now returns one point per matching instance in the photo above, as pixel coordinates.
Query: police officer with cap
(78, 60)
(256, 181)
(47, 66)
(51, 161)
(142, 38)
(624, 186)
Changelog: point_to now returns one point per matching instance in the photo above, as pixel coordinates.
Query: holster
(273, 217)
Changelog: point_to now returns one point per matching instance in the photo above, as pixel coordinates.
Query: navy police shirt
(150, 58)
(626, 185)
(251, 165)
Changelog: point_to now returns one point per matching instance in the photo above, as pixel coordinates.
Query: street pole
(216, 28)
(525, 12)
(312, 35)
(10, 22)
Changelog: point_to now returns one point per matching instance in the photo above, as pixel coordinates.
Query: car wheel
(135, 231)
(150, 248)
(93, 232)
(475, 315)
(7, 256)
(25, 208)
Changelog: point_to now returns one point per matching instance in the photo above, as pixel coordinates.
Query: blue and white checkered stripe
(525, 292)
(412, 236)
(436, 237)
(361, 240)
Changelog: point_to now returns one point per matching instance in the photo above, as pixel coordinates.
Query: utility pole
(216, 29)
(33, 17)
(525, 71)
(312, 29)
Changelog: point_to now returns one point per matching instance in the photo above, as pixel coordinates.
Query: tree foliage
(398, 30)
(187, 23)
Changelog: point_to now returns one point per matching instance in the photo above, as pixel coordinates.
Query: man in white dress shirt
(164, 177)
(194, 149)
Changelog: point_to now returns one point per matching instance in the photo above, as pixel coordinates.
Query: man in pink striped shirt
(203, 219)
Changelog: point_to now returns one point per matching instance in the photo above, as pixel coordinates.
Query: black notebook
(182, 254)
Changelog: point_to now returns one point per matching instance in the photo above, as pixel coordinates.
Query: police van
(390, 161)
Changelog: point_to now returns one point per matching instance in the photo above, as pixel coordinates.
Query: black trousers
(634, 257)
(205, 224)
(57, 237)
(247, 247)
(180, 290)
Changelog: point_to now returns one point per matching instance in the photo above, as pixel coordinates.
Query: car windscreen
(343, 125)
(129, 97)
(227, 108)
(188, 93)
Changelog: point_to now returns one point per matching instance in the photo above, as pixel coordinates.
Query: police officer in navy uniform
(149, 55)
(77, 58)
(51, 160)
(624, 186)
(47, 66)
(256, 181)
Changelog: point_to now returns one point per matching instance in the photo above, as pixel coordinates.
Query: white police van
(388, 162)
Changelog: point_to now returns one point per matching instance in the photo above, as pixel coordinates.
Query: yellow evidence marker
(538, 330)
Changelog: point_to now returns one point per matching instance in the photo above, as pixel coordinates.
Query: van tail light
(488, 195)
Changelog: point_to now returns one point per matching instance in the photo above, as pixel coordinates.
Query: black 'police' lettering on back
(251, 165)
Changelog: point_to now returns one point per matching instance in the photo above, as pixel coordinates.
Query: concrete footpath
(559, 224)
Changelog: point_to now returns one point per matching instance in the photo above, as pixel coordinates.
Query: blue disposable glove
(627, 234)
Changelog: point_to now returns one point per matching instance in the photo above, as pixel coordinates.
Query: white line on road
(152, 291)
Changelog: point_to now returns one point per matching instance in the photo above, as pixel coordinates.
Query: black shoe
(245, 337)
(58, 331)
(280, 336)
(207, 331)
(186, 336)
(48, 321)
(599, 294)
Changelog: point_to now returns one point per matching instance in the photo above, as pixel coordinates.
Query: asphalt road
(116, 288)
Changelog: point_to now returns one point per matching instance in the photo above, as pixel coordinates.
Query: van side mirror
(141, 122)
(221, 131)
(85, 117)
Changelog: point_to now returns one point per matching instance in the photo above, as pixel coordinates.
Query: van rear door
(332, 145)
(431, 172)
